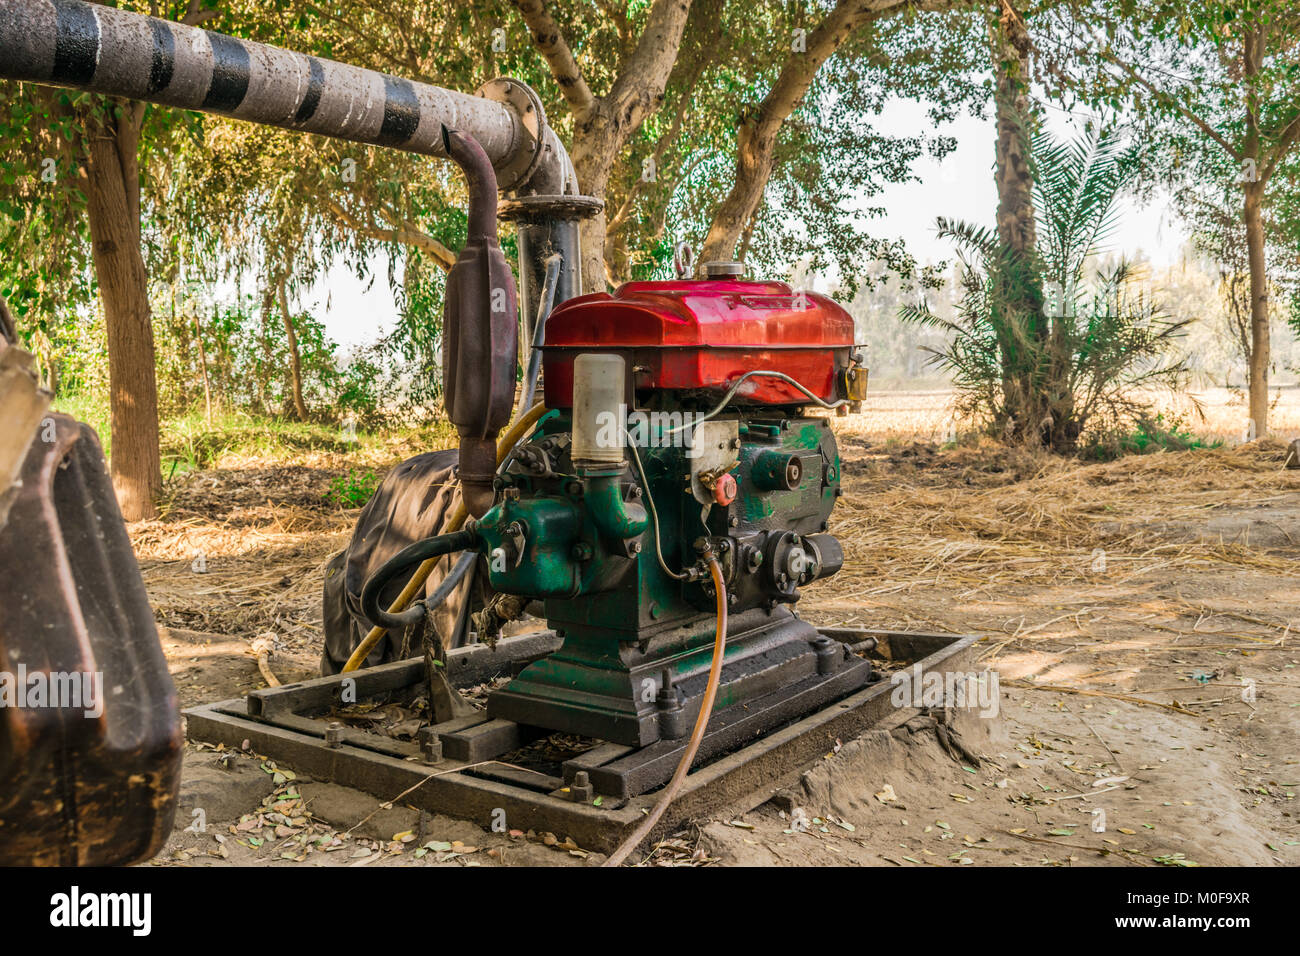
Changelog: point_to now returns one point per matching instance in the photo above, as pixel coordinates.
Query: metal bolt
(430, 745)
(334, 735)
(580, 789)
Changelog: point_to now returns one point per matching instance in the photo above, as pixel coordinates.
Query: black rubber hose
(434, 547)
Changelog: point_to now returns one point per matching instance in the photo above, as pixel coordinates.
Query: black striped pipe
(90, 47)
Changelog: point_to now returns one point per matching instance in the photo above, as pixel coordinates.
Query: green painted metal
(583, 544)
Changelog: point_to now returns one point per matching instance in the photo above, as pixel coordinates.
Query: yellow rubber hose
(512, 436)
(697, 735)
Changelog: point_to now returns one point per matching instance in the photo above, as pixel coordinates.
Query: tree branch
(661, 147)
(195, 14)
(643, 76)
(1169, 97)
(402, 231)
(1281, 148)
(551, 44)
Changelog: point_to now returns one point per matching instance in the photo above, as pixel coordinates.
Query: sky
(961, 187)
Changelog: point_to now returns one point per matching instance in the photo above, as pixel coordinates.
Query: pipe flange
(527, 107)
(538, 209)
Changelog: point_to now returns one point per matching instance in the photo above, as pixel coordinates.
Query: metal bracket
(715, 450)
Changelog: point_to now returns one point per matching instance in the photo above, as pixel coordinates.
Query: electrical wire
(701, 723)
(654, 513)
(766, 373)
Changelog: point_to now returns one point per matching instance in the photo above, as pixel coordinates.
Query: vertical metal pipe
(480, 325)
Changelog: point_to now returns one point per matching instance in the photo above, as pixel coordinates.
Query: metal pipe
(614, 517)
(533, 367)
(480, 331)
(100, 49)
(539, 241)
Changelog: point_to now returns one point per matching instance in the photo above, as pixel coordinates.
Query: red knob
(724, 490)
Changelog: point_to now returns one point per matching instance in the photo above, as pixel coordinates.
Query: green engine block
(613, 551)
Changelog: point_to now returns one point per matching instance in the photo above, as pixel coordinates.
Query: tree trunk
(593, 169)
(1259, 329)
(1019, 292)
(602, 125)
(755, 144)
(1252, 55)
(264, 367)
(112, 193)
(1015, 179)
(203, 367)
(295, 361)
(757, 136)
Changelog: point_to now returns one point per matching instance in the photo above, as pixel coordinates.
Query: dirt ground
(1138, 615)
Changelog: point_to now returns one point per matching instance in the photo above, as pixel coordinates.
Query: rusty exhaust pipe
(480, 330)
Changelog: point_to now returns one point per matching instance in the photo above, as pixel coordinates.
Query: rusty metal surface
(481, 331)
(737, 781)
(91, 47)
(89, 769)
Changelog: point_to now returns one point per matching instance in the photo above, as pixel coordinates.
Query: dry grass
(241, 550)
(1215, 415)
(982, 518)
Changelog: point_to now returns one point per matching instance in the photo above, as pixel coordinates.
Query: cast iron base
(640, 697)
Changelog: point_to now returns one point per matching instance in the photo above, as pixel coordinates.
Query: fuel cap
(723, 270)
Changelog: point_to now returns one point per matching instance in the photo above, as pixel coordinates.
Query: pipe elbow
(614, 517)
(480, 178)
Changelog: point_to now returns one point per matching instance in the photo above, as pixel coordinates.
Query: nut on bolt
(430, 745)
(334, 735)
(580, 789)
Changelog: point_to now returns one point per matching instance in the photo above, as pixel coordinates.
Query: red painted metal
(693, 335)
(724, 489)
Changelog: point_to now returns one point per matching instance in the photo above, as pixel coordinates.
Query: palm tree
(1043, 376)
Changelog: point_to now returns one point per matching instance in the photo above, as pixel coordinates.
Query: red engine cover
(692, 334)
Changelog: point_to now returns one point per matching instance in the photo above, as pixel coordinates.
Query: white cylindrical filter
(598, 410)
